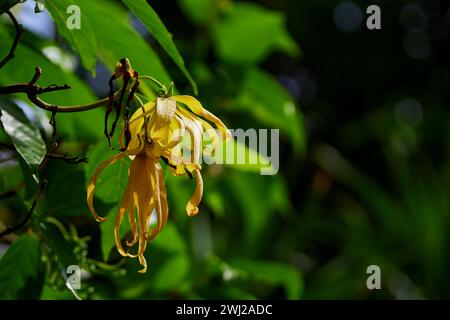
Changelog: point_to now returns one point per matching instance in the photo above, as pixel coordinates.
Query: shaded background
(364, 171)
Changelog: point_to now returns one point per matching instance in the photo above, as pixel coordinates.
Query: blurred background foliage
(364, 165)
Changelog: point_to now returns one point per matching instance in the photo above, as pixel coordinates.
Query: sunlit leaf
(237, 155)
(248, 33)
(25, 137)
(81, 40)
(155, 26)
(121, 40)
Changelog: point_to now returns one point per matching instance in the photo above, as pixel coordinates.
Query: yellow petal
(134, 232)
(145, 111)
(197, 108)
(143, 263)
(93, 181)
(196, 198)
(162, 193)
(118, 222)
(195, 130)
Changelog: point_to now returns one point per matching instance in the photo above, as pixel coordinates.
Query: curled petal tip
(100, 219)
(191, 211)
(131, 242)
(143, 263)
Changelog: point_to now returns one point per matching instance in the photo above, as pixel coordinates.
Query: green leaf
(25, 137)
(168, 259)
(248, 33)
(121, 40)
(236, 155)
(269, 102)
(273, 273)
(81, 40)
(21, 272)
(62, 177)
(109, 190)
(145, 13)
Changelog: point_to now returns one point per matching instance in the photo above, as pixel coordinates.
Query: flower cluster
(158, 129)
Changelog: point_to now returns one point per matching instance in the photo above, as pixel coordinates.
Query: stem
(66, 158)
(163, 87)
(32, 90)
(19, 32)
(10, 230)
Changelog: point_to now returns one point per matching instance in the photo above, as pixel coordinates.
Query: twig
(11, 193)
(51, 155)
(66, 158)
(32, 90)
(19, 32)
(10, 230)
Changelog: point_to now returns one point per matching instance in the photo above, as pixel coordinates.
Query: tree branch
(66, 158)
(19, 32)
(9, 229)
(51, 155)
(32, 90)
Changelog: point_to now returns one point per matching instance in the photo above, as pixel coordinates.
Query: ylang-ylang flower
(158, 130)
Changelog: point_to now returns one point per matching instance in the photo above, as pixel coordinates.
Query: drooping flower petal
(196, 107)
(193, 126)
(93, 181)
(196, 198)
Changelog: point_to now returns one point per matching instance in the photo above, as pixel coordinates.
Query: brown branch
(19, 33)
(51, 155)
(66, 158)
(9, 229)
(32, 90)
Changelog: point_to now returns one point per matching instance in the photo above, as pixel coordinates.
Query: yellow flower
(157, 132)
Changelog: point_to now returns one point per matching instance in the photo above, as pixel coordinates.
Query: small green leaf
(248, 33)
(145, 13)
(82, 40)
(109, 189)
(21, 272)
(25, 137)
